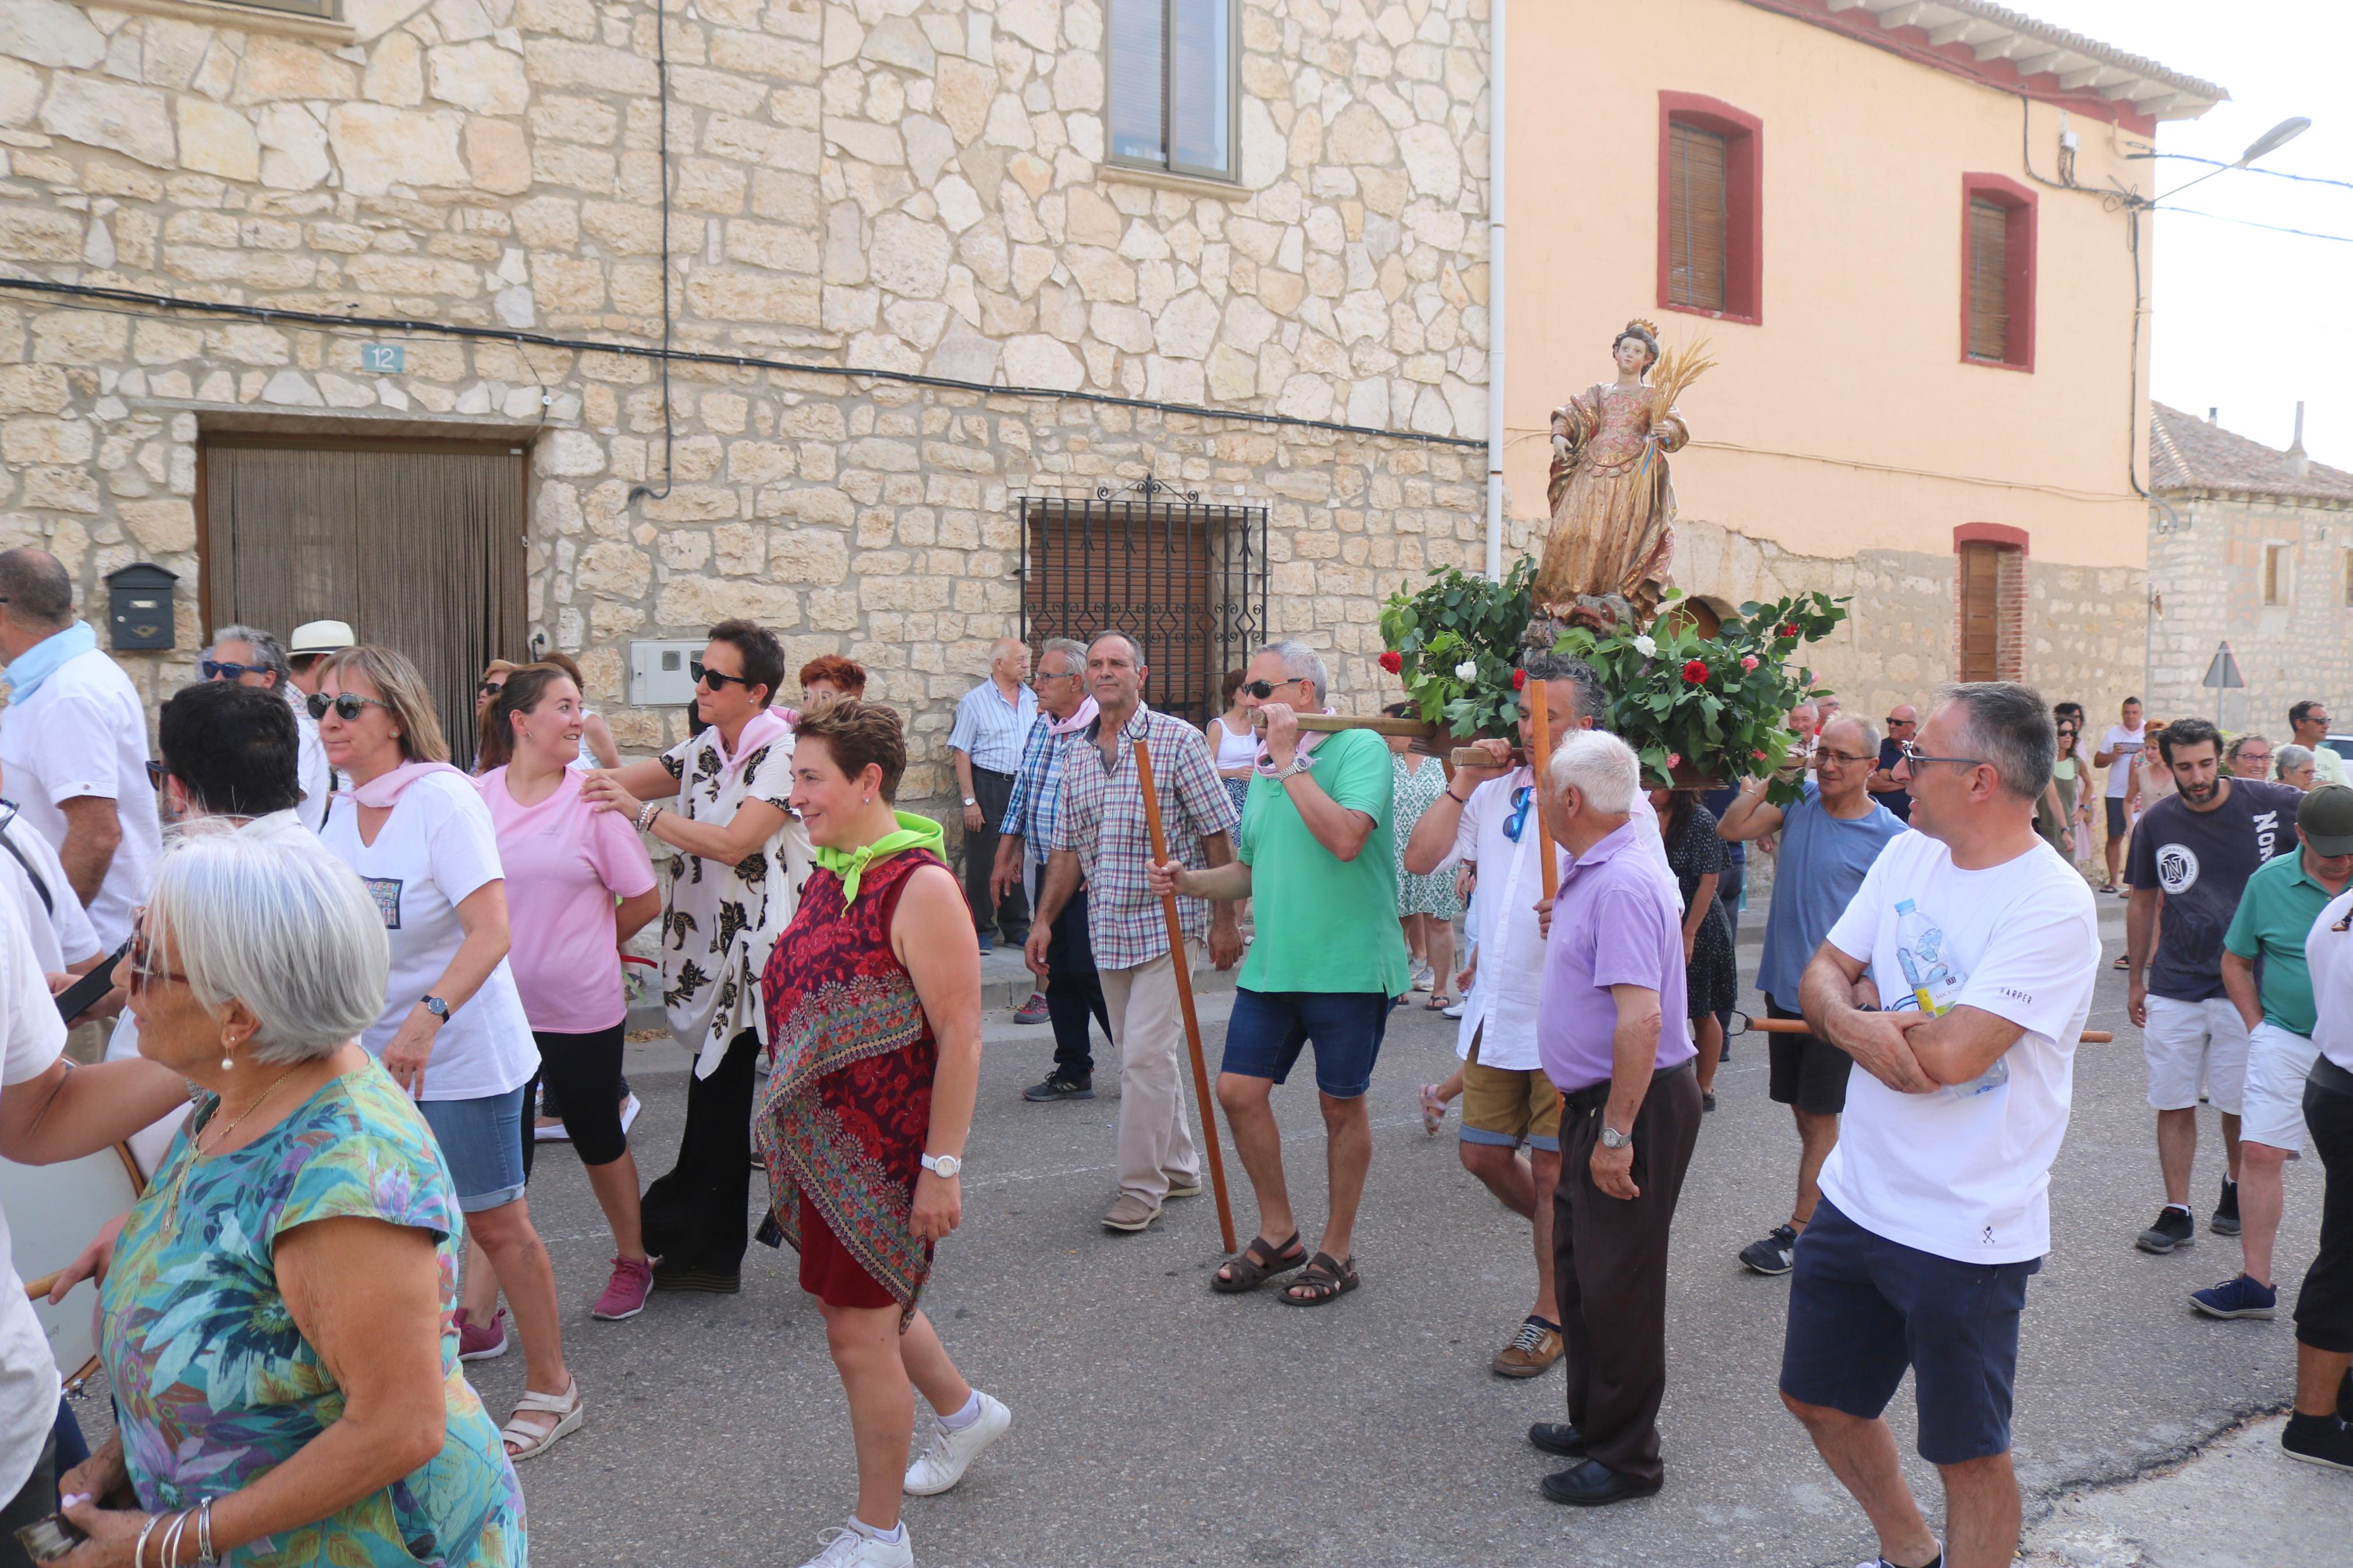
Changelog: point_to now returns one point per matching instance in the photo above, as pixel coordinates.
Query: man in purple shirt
(1611, 1032)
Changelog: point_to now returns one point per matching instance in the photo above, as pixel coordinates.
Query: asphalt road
(1157, 1424)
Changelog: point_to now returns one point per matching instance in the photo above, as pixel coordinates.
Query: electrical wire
(2251, 222)
(669, 425)
(2254, 169)
(110, 300)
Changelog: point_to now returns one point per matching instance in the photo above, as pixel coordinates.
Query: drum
(54, 1211)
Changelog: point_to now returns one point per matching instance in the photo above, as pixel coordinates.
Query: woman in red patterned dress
(874, 999)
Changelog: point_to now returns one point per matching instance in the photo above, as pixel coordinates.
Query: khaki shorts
(1509, 1106)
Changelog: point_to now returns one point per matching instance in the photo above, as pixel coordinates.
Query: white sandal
(534, 1441)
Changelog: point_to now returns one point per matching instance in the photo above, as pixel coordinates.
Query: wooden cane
(1540, 732)
(1178, 961)
(1799, 1026)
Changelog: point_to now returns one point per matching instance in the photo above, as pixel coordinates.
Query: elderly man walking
(1830, 836)
(73, 744)
(1959, 980)
(1326, 964)
(1102, 842)
(1073, 993)
(992, 721)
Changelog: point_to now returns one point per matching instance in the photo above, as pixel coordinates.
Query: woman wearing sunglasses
(453, 1032)
(721, 803)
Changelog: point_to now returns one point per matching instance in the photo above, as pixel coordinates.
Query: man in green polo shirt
(2264, 971)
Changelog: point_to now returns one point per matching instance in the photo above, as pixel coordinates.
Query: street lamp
(2270, 141)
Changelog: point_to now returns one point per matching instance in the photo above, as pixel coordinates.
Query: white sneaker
(948, 1454)
(629, 1108)
(1454, 1011)
(847, 1548)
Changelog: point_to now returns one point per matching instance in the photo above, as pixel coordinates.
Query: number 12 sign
(387, 358)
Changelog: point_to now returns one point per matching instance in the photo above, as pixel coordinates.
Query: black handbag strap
(48, 903)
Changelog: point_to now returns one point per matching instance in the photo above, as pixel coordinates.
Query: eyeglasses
(223, 669)
(1847, 758)
(1263, 689)
(711, 679)
(2252, 757)
(157, 772)
(1517, 823)
(1893, 722)
(347, 707)
(1053, 675)
(491, 688)
(144, 971)
(1914, 757)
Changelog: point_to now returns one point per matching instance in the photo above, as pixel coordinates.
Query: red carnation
(1695, 672)
(1519, 680)
(1789, 630)
(1393, 661)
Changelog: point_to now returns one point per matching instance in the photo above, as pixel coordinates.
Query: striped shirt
(1037, 797)
(1102, 821)
(990, 730)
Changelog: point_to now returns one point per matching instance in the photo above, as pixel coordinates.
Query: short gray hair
(2008, 726)
(35, 586)
(274, 921)
(1073, 652)
(267, 651)
(1592, 701)
(1871, 735)
(1301, 662)
(2289, 758)
(1134, 644)
(1599, 766)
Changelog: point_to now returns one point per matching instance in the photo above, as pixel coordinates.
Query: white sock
(894, 1535)
(959, 1420)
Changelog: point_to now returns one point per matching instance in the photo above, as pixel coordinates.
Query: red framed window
(1997, 272)
(1711, 208)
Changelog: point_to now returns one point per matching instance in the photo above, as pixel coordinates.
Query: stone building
(352, 307)
(2252, 546)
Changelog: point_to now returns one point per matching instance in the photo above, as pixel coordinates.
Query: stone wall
(2207, 561)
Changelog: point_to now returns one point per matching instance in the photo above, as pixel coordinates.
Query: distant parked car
(2340, 744)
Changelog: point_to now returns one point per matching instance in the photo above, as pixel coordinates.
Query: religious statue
(1613, 503)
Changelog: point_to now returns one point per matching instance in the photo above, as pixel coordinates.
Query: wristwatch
(971, 800)
(1299, 765)
(943, 1167)
(435, 1006)
(1613, 1139)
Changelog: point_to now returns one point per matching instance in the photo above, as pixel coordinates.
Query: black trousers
(2324, 1307)
(33, 1502)
(1010, 918)
(695, 1216)
(1073, 991)
(582, 1074)
(1609, 1268)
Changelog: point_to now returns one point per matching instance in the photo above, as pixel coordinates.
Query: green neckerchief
(849, 865)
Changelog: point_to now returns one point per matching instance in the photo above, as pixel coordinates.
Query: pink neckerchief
(387, 788)
(1305, 752)
(1057, 728)
(758, 730)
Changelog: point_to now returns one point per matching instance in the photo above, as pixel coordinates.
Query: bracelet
(1457, 799)
(205, 1553)
(138, 1548)
(170, 1548)
(646, 812)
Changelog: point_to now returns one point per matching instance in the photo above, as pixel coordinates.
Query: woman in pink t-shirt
(566, 866)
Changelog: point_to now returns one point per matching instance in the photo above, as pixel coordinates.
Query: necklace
(196, 1148)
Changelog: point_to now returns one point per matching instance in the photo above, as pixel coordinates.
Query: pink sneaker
(483, 1342)
(625, 1292)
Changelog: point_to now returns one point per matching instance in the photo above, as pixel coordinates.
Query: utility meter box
(658, 676)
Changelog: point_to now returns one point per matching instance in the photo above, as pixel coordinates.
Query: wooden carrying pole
(1799, 1026)
(1540, 732)
(1179, 962)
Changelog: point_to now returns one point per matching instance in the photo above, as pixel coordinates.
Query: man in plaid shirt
(1099, 836)
(1072, 993)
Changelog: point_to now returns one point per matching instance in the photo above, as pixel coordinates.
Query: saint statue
(1613, 505)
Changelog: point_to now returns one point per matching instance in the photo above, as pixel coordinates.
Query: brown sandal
(1323, 1281)
(1256, 1264)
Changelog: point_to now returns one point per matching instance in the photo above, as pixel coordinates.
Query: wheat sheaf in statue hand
(1613, 503)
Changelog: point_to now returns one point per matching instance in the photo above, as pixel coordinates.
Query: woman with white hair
(271, 1322)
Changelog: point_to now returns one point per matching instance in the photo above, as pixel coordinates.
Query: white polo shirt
(83, 733)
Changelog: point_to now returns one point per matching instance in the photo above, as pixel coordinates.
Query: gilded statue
(1612, 501)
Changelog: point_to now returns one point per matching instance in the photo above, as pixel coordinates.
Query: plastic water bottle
(1920, 949)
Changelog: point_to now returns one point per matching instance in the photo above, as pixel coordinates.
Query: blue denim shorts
(1862, 1308)
(1267, 1027)
(481, 1142)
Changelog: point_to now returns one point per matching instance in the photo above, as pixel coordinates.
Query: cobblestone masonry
(2210, 574)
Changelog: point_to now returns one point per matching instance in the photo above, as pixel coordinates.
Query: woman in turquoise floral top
(273, 1319)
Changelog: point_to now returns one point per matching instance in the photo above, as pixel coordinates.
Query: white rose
(1646, 645)
(1467, 670)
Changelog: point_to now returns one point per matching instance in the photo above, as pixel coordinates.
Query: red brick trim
(2019, 200)
(1744, 196)
(1990, 533)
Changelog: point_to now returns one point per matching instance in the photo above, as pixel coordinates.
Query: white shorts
(2192, 1045)
(2278, 1061)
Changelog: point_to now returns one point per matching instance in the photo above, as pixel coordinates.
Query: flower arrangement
(1455, 645)
(1711, 708)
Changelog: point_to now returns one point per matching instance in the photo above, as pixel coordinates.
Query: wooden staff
(1178, 961)
(1540, 733)
(1799, 1026)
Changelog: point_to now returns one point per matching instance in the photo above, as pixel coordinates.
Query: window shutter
(1988, 281)
(1136, 84)
(1981, 624)
(1200, 113)
(1696, 217)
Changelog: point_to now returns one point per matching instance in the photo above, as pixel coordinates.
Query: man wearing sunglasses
(250, 657)
(992, 723)
(74, 743)
(1902, 725)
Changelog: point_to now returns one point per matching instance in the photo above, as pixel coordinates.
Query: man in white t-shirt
(1959, 980)
(35, 883)
(2319, 1430)
(50, 1111)
(2120, 749)
(74, 743)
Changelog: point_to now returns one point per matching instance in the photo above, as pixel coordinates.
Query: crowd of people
(359, 981)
